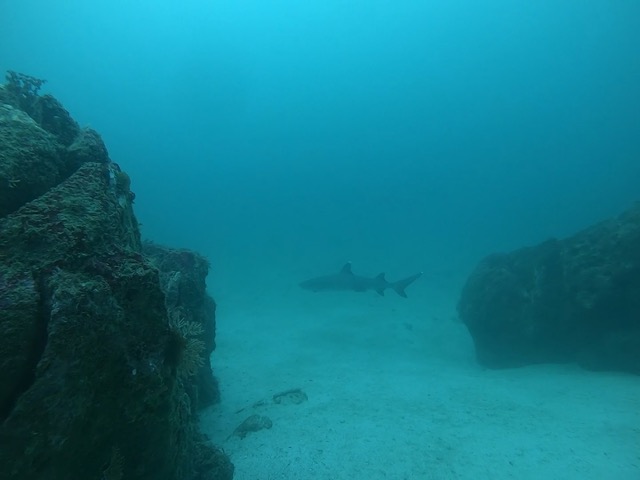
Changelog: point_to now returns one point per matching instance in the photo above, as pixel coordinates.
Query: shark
(346, 280)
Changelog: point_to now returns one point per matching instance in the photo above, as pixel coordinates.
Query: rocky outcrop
(182, 276)
(571, 300)
(102, 347)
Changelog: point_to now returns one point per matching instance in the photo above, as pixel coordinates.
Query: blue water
(291, 136)
(399, 127)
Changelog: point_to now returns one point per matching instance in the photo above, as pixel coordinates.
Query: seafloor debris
(253, 423)
(293, 396)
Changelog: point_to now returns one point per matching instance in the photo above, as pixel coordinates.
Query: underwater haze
(284, 138)
(413, 131)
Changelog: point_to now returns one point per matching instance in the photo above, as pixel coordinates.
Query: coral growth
(190, 347)
(24, 87)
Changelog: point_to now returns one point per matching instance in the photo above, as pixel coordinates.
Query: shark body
(346, 280)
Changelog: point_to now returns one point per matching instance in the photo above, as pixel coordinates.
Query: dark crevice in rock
(38, 345)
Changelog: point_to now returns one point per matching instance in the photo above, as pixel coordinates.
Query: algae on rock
(85, 332)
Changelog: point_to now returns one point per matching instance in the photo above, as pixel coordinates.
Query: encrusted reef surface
(570, 300)
(182, 276)
(103, 342)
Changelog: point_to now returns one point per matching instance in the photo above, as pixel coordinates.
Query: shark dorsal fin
(346, 269)
(381, 284)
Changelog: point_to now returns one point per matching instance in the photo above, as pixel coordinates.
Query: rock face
(102, 348)
(571, 300)
(182, 276)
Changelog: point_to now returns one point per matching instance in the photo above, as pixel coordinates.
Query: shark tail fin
(400, 285)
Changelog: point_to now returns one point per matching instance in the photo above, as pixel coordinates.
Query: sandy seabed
(394, 392)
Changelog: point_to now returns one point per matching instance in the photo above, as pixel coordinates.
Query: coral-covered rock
(576, 299)
(49, 113)
(40, 144)
(182, 276)
(97, 375)
(21, 92)
(31, 159)
(87, 146)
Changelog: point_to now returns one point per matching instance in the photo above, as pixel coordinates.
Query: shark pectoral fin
(380, 284)
(400, 285)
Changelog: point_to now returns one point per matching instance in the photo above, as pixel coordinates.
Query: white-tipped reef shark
(346, 280)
